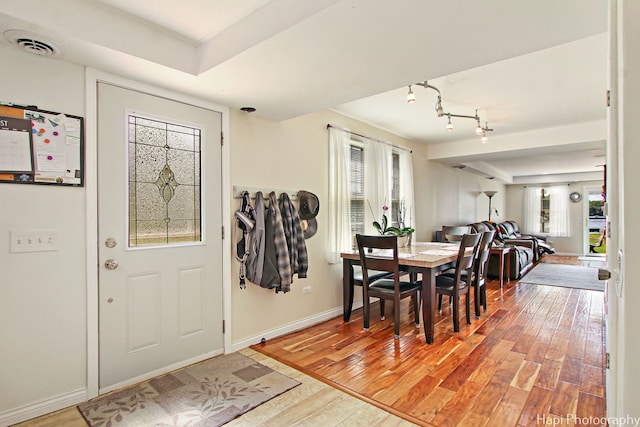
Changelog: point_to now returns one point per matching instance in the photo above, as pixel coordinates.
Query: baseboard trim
(43, 407)
(291, 327)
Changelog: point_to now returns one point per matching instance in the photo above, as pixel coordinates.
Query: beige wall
(294, 155)
(575, 243)
(458, 197)
(42, 294)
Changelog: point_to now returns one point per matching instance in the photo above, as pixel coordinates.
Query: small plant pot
(404, 241)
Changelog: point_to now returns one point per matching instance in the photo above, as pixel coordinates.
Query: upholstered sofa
(511, 231)
(522, 257)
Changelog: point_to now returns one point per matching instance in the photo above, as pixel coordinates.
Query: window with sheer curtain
(546, 210)
(358, 204)
(364, 175)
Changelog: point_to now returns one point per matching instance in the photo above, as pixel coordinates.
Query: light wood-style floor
(535, 358)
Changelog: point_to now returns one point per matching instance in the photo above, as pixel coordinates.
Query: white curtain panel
(532, 210)
(406, 186)
(339, 231)
(559, 211)
(377, 182)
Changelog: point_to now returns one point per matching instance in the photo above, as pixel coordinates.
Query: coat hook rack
(239, 189)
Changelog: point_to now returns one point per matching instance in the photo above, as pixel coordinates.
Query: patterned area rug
(209, 393)
(568, 276)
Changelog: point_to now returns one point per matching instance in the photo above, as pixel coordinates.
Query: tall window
(546, 210)
(356, 190)
(363, 172)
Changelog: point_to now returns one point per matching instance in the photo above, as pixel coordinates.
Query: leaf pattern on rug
(206, 394)
(213, 396)
(125, 402)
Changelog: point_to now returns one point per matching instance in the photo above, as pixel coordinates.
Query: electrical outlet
(306, 290)
(32, 241)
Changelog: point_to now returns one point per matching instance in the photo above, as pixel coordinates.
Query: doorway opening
(595, 224)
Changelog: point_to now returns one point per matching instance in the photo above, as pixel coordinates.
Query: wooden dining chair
(380, 253)
(454, 233)
(373, 276)
(480, 271)
(455, 285)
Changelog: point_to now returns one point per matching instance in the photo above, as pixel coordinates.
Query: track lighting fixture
(411, 98)
(485, 129)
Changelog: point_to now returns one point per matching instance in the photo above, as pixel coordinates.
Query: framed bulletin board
(41, 147)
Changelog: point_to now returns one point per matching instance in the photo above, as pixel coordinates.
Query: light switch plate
(33, 241)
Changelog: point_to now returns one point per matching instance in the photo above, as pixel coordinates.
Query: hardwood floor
(535, 358)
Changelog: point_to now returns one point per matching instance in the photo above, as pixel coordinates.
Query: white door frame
(91, 179)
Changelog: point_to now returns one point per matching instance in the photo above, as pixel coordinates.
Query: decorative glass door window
(164, 183)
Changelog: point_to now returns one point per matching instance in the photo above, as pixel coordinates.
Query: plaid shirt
(295, 237)
(281, 248)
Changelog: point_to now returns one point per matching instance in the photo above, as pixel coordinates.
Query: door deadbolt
(111, 264)
(110, 242)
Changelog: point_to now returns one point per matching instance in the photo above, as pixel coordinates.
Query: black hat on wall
(309, 207)
(309, 204)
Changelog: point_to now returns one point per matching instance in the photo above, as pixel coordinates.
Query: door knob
(604, 274)
(111, 264)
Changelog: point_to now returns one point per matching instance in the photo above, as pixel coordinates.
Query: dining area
(426, 271)
(505, 368)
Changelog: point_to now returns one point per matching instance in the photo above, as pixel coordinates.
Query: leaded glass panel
(164, 183)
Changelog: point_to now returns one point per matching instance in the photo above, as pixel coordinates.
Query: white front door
(160, 243)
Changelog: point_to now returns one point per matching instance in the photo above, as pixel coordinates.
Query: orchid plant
(383, 225)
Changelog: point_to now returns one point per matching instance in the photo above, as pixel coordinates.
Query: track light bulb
(411, 98)
(484, 138)
(449, 125)
(479, 129)
(439, 109)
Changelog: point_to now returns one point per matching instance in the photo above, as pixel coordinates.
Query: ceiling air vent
(33, 43)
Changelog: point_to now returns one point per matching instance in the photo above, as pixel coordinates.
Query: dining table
(425, 258)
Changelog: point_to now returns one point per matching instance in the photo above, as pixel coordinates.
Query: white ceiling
(535, 70)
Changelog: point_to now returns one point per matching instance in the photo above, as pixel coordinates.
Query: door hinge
(223, 327)
(608, 361)
(608, 98)
(221, 138)
(223, 232)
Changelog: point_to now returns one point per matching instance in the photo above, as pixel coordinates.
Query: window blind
(356, 189)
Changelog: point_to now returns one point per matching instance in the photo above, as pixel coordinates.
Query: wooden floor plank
(537, 405)
(508, 410)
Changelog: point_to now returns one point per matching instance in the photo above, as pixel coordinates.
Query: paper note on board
(15, 145)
